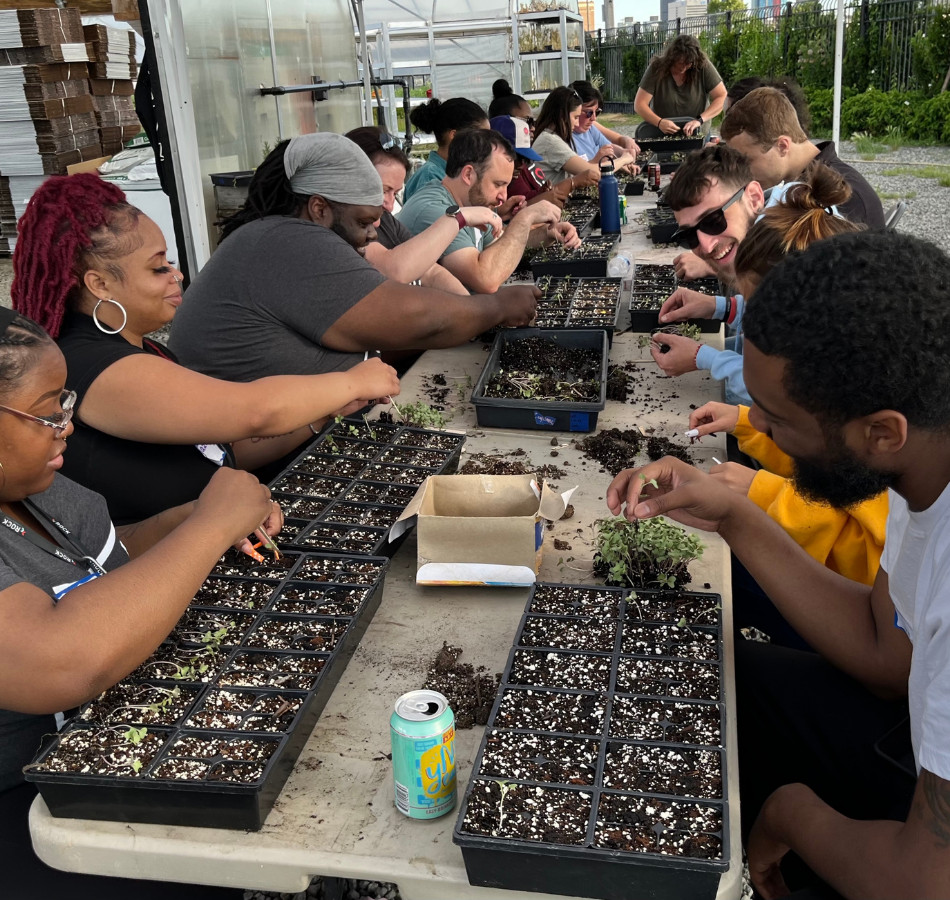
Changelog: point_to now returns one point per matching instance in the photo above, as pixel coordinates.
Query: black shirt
(864, 206)
(137, 479)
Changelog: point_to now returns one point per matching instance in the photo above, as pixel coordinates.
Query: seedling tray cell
(545, 415)
(345, 513)
(236, 718)
(632, 787)
(411, 476)
(305, 484)
(341, 538)
(234, 593)
(588, 261)
(290, 671)
(380, 492)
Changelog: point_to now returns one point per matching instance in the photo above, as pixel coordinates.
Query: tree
(721, 6)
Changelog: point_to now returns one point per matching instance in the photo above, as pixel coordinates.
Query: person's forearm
(641, 104)
(859, 859)
(253, 452)
(410, 260)
(459, 322)
(497, 261)
(830, 612)
(442, 279)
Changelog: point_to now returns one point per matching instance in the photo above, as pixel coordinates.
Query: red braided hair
(70, 220)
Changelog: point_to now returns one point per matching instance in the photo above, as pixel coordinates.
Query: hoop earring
(100, 326)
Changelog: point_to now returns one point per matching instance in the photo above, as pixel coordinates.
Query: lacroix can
(422, 728)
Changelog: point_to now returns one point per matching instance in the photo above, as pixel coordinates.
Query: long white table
(336, 816)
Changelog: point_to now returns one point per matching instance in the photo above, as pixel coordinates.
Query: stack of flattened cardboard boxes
(111, 82)
(62, 94)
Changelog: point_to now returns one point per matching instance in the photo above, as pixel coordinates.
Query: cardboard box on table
(480, 529)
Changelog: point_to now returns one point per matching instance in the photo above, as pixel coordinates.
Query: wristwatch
(453, 212)
(700, 120)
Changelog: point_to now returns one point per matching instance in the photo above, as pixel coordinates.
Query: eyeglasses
(58, 421)
(590, 113)
(529, 120)
(714, 222)
(386, 141)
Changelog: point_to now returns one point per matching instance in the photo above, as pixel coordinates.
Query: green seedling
(645, 552)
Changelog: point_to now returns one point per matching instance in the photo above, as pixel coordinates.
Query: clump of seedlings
(645, 553)
(683, 329)
(416, 415)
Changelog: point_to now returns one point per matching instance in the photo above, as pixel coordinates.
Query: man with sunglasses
(715, 201)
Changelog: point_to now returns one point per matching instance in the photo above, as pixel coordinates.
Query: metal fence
(792, 40)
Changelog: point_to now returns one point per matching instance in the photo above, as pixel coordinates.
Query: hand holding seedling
(672, 488)
(689, 266)
(236, 503)
(521, 302)
(684, 303)
(511, 207)
(679, 358)
(487, 219)
(565, 233)
(374, 379)
(714, 417)
(736, 477)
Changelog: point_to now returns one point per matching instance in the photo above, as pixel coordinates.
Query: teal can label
(422, 728)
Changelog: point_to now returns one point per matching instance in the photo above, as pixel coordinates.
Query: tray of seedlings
(206, 731)
(343, 493)
(587, 261)
(552, 380)
(580, 212)
(652, 284)
(602, 769)
(631, 185)
(578, 303)
(670, 143)
(661, 225)
(668, 160)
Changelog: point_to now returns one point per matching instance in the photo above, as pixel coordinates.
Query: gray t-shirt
(265, 299)
(673, 100)
(85, 514)
(554, 154)
(427, 206)
(391, 232)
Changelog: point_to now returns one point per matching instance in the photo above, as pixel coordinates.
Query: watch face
(452, 210)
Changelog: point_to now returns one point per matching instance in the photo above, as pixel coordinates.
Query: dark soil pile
(492, 464)
(658, 447)
(470, 691)
(618, 384)
(612, 448)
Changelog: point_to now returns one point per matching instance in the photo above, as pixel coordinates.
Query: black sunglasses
(529, 120)
(590, 113)
(386, 141)
(714, 222)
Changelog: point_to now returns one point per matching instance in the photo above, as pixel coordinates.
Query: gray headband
(332, 166)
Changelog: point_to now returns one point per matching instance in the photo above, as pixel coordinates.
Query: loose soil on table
(618, 383)
(491, 464)
(658, 447)
(614, 449)
(469, 690)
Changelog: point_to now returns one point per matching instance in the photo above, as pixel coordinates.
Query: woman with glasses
(442, 120)
(680, 83)
(92, 270)
(592, 140)
(506, 102)
(397, 252)
(83, 602)
(554, 141)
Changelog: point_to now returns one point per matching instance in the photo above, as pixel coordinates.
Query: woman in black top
(92, 270)
(82, 602)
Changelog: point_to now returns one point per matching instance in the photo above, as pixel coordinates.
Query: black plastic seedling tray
(588, 261)
(545, 415)
(573, 785)
(249, 713)
(661, 225)
(652, 284)
(564, 304)
(670, 144)
(359, 462)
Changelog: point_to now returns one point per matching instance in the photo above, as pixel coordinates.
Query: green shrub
(877, 112)
(724, 54)
(930, 120)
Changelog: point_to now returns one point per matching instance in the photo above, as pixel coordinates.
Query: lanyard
(66, 549)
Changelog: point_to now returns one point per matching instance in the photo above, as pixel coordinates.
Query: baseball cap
(517, 133)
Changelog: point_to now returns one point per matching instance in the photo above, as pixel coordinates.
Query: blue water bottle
(609, 198)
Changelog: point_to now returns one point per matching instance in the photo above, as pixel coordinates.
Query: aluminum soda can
(653, 176)
(422, 729)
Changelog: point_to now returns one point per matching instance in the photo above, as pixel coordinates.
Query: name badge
(215, 452)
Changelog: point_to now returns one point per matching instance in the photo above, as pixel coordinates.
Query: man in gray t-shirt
(479, 169)
(289, 290)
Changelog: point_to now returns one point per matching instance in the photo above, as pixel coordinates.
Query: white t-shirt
(917, 561)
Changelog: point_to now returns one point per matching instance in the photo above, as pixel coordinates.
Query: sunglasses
(386, 141)
(590, 113)
(714, 222)
(530, 121)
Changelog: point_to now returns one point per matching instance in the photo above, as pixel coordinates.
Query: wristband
(728, 313)
(700, 120)
(732, 308)
(659, 122)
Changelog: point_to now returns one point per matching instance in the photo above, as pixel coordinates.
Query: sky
(641, 10)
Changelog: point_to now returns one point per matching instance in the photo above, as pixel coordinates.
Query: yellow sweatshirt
(848, 542)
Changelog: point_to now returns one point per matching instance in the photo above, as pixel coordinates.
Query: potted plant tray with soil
(206, 731)
(345, 490)
(554, 380)
(652, 284)
(661, 225)
(578, 303)
(589, 260)
(602, 769)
